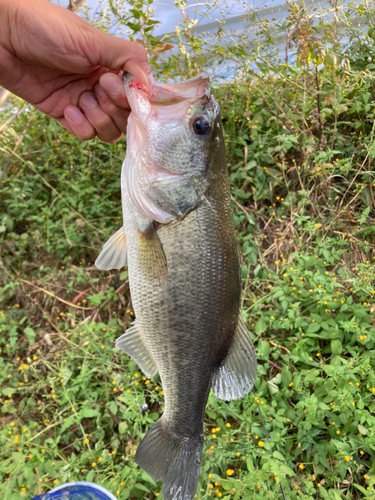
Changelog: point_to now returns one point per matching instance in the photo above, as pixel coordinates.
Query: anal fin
(133, 344)
(114, 253)
(237, 375)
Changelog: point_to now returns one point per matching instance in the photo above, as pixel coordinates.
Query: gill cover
(169, 137)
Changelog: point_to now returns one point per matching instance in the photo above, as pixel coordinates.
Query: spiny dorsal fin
(237, 375)
(133, 344)
(113, 255)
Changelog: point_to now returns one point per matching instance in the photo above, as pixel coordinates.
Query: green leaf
(260, 326)
(30, 334)
(88, 413)
(8, 390)
(313, 328)
(286, 376)
(142, 487)
(361, 488)
(122, 428)
(279, 456)
(336, 347)
(362, 429)
(250, 466)
(263, 349)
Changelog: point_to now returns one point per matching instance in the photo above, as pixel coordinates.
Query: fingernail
(111, 85)
(98, 90)
(88, 100)
(74, 114)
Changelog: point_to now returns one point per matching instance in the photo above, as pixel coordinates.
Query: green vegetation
(301, 148)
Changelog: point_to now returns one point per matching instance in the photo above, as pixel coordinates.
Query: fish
(179, 243)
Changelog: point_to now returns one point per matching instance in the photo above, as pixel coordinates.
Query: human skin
(66, 68)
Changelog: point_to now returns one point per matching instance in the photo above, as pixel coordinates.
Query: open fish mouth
(169, 94)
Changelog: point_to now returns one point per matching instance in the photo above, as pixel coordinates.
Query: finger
(65, 124)
(113, 87)
(78, 123)
(117, 54)
(119, 115)
(105, 127)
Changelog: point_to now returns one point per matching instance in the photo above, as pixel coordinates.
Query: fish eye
(201, 126)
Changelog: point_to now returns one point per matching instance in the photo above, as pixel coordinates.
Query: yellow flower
(260, 443)
(100, 459)
(227, 424)
(347, 459)
(87, 441)
(301, 466)
(230, 472)
(209, 476)
(93, 464)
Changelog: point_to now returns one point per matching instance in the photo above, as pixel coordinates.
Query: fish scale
(184, 272)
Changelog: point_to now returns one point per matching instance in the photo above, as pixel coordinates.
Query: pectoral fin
(113, 255)
(236, 376)
(133, 344)
(151, 255)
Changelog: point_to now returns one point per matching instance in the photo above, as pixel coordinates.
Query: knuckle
(86, 135)
(102, 121)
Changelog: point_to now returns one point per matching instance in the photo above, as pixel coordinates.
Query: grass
(300, 146)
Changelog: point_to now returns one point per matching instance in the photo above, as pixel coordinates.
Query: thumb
(117, 54)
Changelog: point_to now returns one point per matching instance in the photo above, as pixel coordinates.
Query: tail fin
(172, 459)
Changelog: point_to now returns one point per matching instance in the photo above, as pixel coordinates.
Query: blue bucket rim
(84, 483)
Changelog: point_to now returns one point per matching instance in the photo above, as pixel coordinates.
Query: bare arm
(66, 68)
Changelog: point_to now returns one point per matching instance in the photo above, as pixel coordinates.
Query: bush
(300, 146)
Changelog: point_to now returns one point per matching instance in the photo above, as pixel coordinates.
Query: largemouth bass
(179, 243)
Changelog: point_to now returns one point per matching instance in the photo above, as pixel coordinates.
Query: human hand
(66, 68)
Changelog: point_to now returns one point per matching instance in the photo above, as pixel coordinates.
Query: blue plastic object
(77, 491)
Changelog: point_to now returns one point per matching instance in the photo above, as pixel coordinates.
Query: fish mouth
(168, 94)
